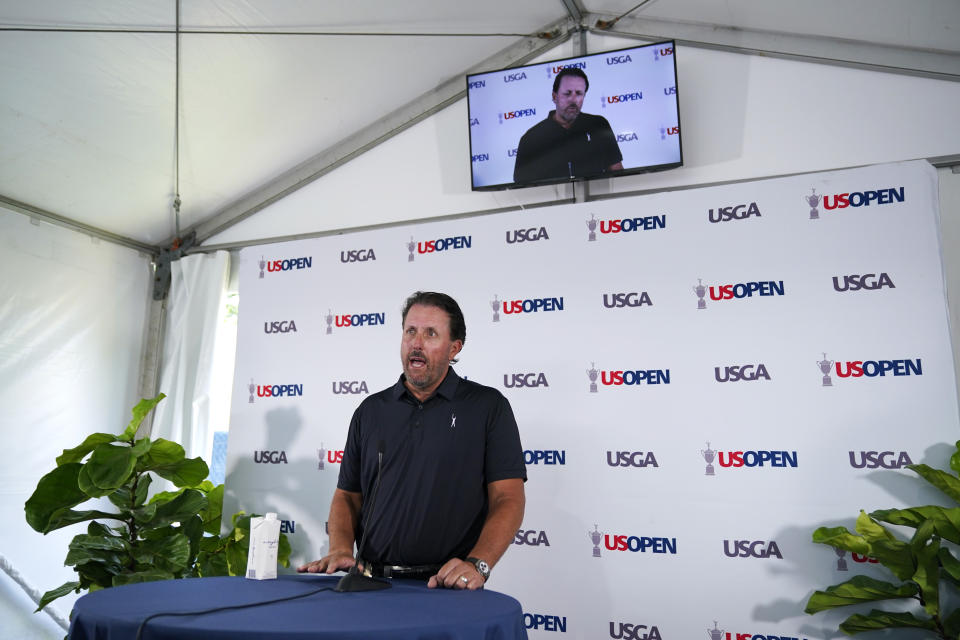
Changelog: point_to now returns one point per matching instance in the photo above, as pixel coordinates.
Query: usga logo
(527, 235)
(520, 380)
(631, 459)
(737, 212)
(633, 631)
(879, 459)
(270, 457)
(438, 244)
(867, 281)
(751, 549)
(631, 299)
(737, 291)
(286, 264)
(273, 390)
(345, 320)
(737, 373)
(618, 59)
(283, 326)
(349, 386)
(357, 255)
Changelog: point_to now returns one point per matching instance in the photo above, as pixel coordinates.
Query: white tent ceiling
(271, 94)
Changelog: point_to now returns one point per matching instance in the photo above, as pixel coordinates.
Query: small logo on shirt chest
(453, 421)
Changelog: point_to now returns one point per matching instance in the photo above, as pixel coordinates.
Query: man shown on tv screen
(568, 143)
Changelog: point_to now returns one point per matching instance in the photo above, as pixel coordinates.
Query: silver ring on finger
(464, 579)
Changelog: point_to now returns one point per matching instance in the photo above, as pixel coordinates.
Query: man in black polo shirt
(451, 493)
(568, 143)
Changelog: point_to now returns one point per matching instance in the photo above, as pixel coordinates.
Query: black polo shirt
(548, 151)
(438, 458)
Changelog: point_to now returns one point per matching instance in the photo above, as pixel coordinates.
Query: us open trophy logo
(495, 305)
(321, 454)
(410, 247)
(708, 456)
(592, 374)
(715, 633)
(592, 226)
(813, 200)
(825, 370)
(596, 536)
(701, 291)
(329, 320)
(841, 563)
(251, 387)
(263, 264)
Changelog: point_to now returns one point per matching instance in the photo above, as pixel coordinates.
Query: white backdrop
(301, 371)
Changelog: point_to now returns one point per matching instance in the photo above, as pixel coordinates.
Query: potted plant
(925, 568)
(174, 534)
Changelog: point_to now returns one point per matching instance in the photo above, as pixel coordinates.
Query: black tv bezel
(551, 181)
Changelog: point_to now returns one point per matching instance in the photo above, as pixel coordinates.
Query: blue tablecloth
(407, 611)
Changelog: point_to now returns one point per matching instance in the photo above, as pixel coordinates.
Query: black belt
(422, 571)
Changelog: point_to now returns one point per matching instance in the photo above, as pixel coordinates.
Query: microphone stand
(355, 581)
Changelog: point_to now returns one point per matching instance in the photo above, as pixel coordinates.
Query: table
(408, 611)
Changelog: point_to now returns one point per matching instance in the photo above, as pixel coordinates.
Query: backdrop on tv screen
(635, 89)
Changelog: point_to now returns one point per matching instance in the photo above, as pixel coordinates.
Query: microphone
(355, 581)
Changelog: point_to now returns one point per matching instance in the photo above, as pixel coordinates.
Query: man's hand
(457, 574)
(336, 561)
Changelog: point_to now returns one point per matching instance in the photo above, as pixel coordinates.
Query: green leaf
(212, 564)
(97, 529)
(77, 454)
(951, 624)
(946, 482)
(946, 521)
(144, 514)
(876, 619)
(857, 590)
(170, 553)
(842, 539)
(57, 490)
(87, 485)
(96, 575)
(927, 575)
(79, 556)
(162, 453)
(950, 565)
(236, 554)
(213, 514)
(193, 529)
(955, 459)
(283, 551)
(884, 546)
(185, 473)
(53, 594)
(139, 413)
(146, 575)
(110, 466)
(143, 489)
(183, 507)
(105, 543)
(141, 447)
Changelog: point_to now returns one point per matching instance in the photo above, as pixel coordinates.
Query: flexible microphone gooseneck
(355, 581)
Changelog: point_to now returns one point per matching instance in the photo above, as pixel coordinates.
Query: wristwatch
(482, 567)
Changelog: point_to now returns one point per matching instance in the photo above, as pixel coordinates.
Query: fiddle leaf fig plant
(173, 534)
(925, 569)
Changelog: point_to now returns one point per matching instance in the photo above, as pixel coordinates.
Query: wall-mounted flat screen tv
(604, 114)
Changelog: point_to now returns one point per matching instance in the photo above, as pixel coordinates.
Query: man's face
(426, 348)
(569, 98)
